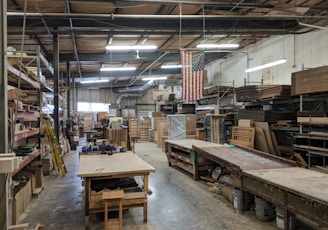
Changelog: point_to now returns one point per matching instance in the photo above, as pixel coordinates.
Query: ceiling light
(153, 78)
(171, 66)
(140, 47)
(267, 65)
(212, 46)
(117, 68)
(93, 81)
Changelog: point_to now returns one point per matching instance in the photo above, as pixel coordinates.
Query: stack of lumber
(250, 93)
(312, 117)
(312, 81)
(275, 92)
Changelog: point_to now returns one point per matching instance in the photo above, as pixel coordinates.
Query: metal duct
(137, 90)
(118, 101)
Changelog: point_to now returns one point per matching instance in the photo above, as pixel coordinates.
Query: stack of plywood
(312, 81)
(250, 93)
(275, 92)
(265, 115)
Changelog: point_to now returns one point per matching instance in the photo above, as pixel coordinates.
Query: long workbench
(181, 154)
(295, 190)
(118, 165)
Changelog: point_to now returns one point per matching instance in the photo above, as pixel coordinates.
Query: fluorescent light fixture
(117, 68)
(93, 81)
(213, 46)
(267, 65)
(153, 78)
(139, 47)
(171, 66)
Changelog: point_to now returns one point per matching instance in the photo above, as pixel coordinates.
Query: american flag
(192, 74)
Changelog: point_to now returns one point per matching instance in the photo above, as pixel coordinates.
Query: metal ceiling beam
(114, 17)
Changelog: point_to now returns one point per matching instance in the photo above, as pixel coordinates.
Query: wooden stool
(114, 195)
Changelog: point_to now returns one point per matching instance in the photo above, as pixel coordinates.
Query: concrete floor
(177, 202)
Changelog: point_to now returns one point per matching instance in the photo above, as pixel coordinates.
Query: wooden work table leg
(146, 200)
(86, 201)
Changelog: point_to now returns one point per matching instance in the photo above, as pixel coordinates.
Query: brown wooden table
(118, 165)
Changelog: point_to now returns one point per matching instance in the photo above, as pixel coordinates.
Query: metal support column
(68, 77)
(56, 82)
(3, 113)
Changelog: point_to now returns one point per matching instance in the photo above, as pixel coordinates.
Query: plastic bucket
(280, 218)
(263, 210)
(237, 197)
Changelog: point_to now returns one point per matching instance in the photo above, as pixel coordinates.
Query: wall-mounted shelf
(26, 161)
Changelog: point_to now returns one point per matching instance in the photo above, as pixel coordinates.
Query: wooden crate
(243, 136)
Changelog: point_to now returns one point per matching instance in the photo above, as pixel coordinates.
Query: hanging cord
(20, 65)
(204, 35)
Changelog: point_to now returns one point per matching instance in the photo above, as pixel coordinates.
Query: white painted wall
(301, 51)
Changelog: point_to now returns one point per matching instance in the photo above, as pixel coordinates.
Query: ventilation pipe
(118, 101)
(137, 90)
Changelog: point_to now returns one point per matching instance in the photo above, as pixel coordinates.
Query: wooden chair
(113, 196)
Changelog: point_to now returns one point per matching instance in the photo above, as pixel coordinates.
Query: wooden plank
(260, 140)
(266, 130)
(275, 143)
(313, 120)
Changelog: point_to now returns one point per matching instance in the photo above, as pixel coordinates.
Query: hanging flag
(192, 74)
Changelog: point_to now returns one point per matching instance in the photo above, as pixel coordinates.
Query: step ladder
(55, 149)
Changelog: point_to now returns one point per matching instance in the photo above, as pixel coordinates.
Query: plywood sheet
(266, 130)
(260, 141)
(299, 180)
(116, 164)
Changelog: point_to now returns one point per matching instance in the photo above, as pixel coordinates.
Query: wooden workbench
(181, 154)
(118, 165)
(241, 158)
(296, 190)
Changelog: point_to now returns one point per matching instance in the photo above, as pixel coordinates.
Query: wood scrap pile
(312, 81)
